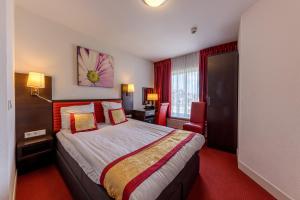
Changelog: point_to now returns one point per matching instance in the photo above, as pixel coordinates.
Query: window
(185, 84)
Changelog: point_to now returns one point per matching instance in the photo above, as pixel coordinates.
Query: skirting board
(272, 189)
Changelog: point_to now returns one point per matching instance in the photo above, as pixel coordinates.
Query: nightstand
(34, 152)
(144, 115)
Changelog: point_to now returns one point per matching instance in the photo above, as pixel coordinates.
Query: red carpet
(219, 179)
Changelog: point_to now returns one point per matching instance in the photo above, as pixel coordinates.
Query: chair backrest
(198, 112)
(161, 117)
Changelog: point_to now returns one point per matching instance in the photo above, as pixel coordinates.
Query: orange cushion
(117, 116)
(82, 122)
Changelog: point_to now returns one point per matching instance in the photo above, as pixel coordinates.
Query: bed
(80, 162)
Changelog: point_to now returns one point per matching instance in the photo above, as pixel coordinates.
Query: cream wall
(48, 47)
(269, 96)
(7, 111)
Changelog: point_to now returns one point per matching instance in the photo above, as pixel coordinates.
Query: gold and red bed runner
(121, 177)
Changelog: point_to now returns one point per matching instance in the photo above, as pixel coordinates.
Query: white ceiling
(151, 33)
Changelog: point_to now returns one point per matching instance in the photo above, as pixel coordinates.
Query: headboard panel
(58, 104)
(32, 113)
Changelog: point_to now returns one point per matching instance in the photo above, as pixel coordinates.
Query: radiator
(176, 123)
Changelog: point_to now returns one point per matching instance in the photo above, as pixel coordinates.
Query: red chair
(161, 115)
(197, 121)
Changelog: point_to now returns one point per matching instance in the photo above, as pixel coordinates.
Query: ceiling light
(154, 3)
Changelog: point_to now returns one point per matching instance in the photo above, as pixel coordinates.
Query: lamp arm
(49, 101)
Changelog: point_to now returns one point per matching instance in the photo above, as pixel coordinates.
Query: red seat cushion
(194, 127)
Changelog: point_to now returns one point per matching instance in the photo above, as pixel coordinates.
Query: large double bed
(83, 157)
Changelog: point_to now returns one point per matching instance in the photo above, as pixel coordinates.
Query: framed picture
(95, 69)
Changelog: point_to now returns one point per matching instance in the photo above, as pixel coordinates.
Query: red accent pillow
(117, 116)
(82, 122)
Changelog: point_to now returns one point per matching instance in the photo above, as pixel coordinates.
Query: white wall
(269, 96)
(7, 118)
(48, 47)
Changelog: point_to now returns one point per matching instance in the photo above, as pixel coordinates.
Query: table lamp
(152, 97)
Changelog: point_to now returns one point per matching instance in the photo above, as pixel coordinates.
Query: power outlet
(34, 133)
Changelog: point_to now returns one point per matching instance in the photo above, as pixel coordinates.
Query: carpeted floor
(219, 179)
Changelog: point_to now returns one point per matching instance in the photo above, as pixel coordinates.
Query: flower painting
(94, 69)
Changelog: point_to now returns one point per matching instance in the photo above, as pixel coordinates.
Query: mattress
(92, 151)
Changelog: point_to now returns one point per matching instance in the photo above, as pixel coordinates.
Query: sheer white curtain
(185, 84)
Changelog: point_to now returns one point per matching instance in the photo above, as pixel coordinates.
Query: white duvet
(94, 150)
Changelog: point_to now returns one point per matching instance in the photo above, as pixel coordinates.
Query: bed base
(82, 188)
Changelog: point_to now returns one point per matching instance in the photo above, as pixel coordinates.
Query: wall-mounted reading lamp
(127, 91)
(128, 88)
(36, 81)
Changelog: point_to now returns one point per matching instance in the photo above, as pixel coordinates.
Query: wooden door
(222, 101)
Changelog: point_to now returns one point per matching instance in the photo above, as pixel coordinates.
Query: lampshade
(130, 88)
(152, 97)
(154, 3)
(36, 80)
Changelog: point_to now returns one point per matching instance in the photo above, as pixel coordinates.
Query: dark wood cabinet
(35, 152)
(144, 115)
(222, 101)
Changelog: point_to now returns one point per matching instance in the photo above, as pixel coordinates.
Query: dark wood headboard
(32, 113)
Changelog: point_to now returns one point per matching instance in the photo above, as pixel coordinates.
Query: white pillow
(65, 113)
(107, 106)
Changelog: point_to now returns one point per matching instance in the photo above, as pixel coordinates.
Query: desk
(144, 115)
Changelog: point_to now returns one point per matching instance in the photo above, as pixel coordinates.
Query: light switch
(9, 105)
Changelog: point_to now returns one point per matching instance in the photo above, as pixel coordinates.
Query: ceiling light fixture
(154, 3)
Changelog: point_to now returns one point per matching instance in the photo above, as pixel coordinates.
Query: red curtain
(162, 82)
(204, 54)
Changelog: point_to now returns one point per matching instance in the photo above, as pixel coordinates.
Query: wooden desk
(144, 115)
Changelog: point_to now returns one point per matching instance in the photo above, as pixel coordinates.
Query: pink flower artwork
(94, 69)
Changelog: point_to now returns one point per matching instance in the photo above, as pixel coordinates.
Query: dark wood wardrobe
(222, 101)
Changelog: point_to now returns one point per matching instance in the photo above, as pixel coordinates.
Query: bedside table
(34, 152)
(144, 115)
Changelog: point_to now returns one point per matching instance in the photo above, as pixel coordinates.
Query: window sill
(180, 118)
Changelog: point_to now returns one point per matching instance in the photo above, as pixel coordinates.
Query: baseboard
(13, 196)
(272, 189)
